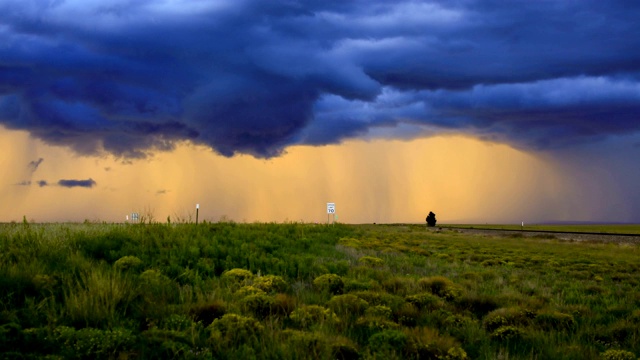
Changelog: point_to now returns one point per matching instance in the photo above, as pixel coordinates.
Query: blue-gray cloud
(88, 183)
(255, 77)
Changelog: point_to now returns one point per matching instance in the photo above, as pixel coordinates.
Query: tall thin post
(197, 210)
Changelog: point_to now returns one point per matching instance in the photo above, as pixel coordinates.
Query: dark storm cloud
(89, 183)
(253, 77)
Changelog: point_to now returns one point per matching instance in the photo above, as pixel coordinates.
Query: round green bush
(425, 301)
(259, 305)
(270, 283)
(427, 343)
(505, 333)
(371, 261)
(158, 288)
(235, 329)
(407, 315)
(440, 286)
(248, 290)
(309, 315)
(91, 342)
(618, 355)
(366, 326)
(331, 283)
(128, 263)
(237, 275)
(512, 316)
(388, 341)
(344, 349)
(303, 344)
(347, 305)
(379, 311)
(206, 313)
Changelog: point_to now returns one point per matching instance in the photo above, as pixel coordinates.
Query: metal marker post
(197, 210)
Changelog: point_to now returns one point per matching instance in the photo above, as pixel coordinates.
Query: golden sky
(460, 179)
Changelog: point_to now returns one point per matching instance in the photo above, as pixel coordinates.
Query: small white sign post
(331, 211)
(197, 211)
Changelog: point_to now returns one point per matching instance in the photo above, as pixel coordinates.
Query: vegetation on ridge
(227, 290)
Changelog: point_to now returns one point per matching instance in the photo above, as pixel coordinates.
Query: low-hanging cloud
(255, 77)
(88, 183)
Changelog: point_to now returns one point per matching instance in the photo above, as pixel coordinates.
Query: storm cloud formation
(89, 183)
(127, 77)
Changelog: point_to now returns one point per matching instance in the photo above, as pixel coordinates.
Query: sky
(480, 111)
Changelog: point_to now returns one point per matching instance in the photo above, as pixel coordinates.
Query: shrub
(347, 305)
(126, 263)
(91, 342)
(310, 315)
(513, 316)
(396, 285)
(479, 305)
(388, 341)
(366, 326)
(177, 322)
(248, 290)
(270, 283)
(351, 285)
(283, 304)
(505, 333)
(379, 311)
(427, 343)
(407, 315)
(440, 286)
(157, 288)
(331, 283)
(344, 349)
(206, 313)
(554, 321)
(259, 305)
(457, 321)
(165, 343)
(308, 344)
(380, 298)
(618, 355)
(237, 275)
(616, 334)
(371, 261)
(235, 329)
(424, 301)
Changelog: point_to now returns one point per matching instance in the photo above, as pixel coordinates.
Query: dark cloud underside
(89, 183)
(254, 77)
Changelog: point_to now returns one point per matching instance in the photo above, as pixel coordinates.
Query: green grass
(294, 291)
(592, 228)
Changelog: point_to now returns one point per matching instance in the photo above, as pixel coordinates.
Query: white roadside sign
(331, 208)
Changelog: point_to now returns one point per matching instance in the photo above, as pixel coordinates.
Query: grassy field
(591, 228)
(298, 291)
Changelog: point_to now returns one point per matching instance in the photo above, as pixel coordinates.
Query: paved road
(568, 236)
